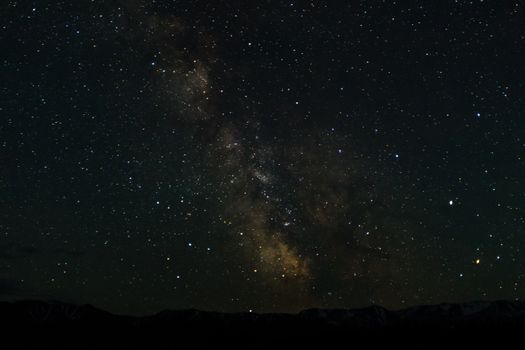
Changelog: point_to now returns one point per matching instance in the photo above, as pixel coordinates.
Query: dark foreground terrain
(36, 324)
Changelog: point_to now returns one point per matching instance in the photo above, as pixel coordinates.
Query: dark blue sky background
(262, 155)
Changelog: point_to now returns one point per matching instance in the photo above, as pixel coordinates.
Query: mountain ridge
(63, 323)
(42, 311)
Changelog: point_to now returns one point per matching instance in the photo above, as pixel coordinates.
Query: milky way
(273, 156)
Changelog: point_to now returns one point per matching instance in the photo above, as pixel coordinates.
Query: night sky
(262, 155)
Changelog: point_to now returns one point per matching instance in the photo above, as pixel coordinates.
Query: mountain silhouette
(33, 323)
